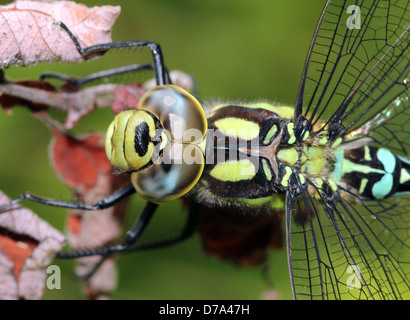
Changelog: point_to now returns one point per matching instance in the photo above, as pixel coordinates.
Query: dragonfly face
(160, 143)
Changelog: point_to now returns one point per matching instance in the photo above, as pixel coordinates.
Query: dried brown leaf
(27, 247)
(76, 104)
(28, 33)
(9, 101)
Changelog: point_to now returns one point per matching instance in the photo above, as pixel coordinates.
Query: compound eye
(178, 111)
(172, 176)
(129, 140)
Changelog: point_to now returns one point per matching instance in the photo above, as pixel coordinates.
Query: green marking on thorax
(272, 131)
(316, 162)
(288, 156)
(332, 184)
(266, 169)
(306, 135)
(283, 111)
(238, 128)
(234, 170)
(319, 182)
(292, 138)
(323, 140)
(337, 142)
(285, 179)
(273, 201)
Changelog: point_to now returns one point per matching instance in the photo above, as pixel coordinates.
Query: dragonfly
(334, 166)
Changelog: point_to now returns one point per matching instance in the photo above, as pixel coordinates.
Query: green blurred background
(236, 49)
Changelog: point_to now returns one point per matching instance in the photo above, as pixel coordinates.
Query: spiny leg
(100, 205)
(159, 68)
(187, 232)
(79, 82)
(132, 236)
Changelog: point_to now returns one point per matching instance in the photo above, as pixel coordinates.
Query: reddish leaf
(29, 35)
(79, 161)
(17, 248)
(27, 246)
(126, 96)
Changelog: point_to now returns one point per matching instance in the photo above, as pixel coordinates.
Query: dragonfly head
(159, 143)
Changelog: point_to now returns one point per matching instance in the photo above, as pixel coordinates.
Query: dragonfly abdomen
(374, 173)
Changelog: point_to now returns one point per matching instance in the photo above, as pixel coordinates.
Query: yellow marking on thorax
(288, 156)
(270, 134)
(238, 128)
(266, 169)
(285, 179)
(234, 170)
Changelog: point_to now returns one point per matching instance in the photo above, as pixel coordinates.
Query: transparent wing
(357, 63)
(391, 127)
(340, 247)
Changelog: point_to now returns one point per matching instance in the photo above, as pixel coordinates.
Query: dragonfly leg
(100, 205)
(186, 232)
(79, 82)
(161, 73)
(132, 236)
